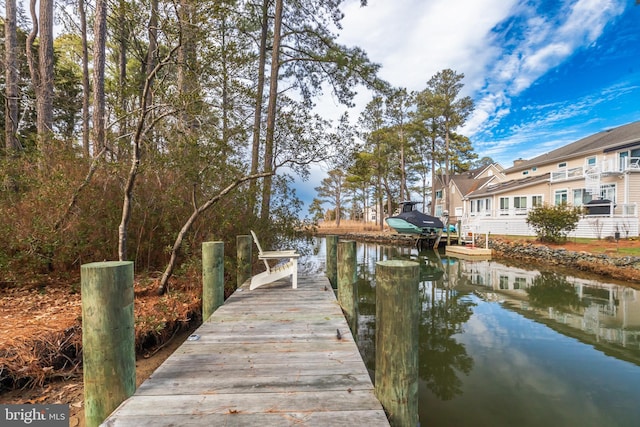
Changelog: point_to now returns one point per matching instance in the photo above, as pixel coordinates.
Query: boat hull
(403, 227)
(415, 222)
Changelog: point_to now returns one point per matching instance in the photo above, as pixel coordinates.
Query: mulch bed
(41, 326)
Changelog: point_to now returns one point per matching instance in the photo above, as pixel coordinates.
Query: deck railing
(609, 209)
(620, 165)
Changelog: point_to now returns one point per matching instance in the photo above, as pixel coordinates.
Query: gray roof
(503, 187)
(467, 184)
(467, 181)
(601, 141)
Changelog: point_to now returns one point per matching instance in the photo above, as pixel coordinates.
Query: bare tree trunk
(86, 91)
(152, 53)
(447, 173)
(257, 119)
(433, 177)
(187, 62)
(11, 75)
(379, 208)
(141, 130)
(123, 46)
(33, 64)
(404, 191)
(424, 192)
(225, 90)
(44, 103)
(99, 48)
(271, 112)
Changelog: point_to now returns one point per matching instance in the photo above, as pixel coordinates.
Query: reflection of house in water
(603, 311)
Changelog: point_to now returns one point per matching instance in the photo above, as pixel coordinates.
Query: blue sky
(542, 73)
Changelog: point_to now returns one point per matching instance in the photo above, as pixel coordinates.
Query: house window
(525, 173)
(591, 162)
(623, 158)
(520, 283)
(534, 169)
(562, 165)
(608, 191)
(629, 159)
(504, 282)
(438, 210)
(478, 205)
(504, 205)
(487, 205)
(536, 201)
(561, 197)
(520, 205)
(439, 194)
(580, 197)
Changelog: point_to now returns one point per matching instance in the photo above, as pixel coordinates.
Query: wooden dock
(267, 357)
(469, 253)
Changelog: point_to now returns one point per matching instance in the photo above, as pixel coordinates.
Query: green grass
(635, 251)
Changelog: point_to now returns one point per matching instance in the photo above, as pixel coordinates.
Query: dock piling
(332, 260)
(243, 253)
(397, 317)
(212, 277)
(108, 337)
(347, 278)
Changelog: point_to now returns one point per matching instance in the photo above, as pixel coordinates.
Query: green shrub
(553, 223)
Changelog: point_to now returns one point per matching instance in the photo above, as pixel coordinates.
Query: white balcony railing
(622, 164)
(631, 163)
(564, 174)
(619, 210)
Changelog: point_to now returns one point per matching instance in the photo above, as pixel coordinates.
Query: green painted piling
(397, 318)
(244, 244)
(108, 337)
(347, 281)
(332, 260)
(212, 277)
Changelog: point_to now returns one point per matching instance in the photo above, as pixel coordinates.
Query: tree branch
(196, 213)
(76, 194)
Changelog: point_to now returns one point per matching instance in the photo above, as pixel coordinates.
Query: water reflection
(442, 357)
(444, 311)
(502, 344)
(600, 312)
(551, 290)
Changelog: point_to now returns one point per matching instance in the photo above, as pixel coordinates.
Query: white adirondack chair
(279, 271)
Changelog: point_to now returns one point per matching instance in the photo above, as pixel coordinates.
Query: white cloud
(544, 44)
(414, 39)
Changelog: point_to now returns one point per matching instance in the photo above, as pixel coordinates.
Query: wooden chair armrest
(278, 254)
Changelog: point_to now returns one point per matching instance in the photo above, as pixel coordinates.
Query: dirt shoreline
(41, 338)
(71, 391)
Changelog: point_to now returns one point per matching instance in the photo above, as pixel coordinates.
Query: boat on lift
(411, 221)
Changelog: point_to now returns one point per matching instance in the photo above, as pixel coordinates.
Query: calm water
(505, 345)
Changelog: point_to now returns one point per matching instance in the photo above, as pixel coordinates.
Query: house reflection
(600, 313)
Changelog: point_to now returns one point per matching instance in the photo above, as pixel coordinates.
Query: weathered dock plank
(267, 357)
